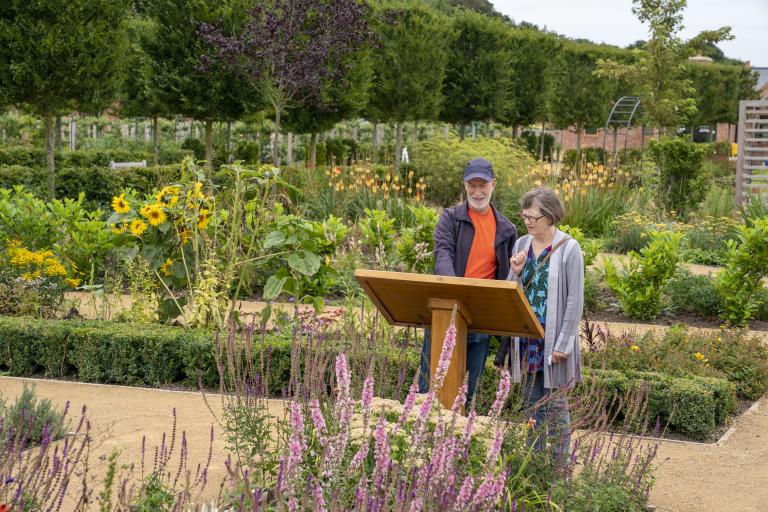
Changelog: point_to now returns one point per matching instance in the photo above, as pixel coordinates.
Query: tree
(139, 96)
(409, 66)
(576, 97)
(718, 89)
(339, 100)
(658, 73)
(532, 51)
(177, 53)
(478, 79)
(290, 48)
(60, 54)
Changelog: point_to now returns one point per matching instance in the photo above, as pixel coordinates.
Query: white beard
(479, 205)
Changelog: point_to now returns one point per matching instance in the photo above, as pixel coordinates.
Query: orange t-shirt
(481, 263)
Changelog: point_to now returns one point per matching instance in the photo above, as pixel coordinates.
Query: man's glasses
(530, 218)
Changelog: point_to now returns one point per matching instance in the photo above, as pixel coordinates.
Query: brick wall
(635, 139)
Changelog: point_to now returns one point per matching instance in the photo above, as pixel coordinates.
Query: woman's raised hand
(517, 262)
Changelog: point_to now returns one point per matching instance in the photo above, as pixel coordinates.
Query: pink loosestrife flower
(381, 450)
(297, 422)
(317, 418)
(495, 448)
(461, 399)
(319, 497)
(465, 494)
(410, 401)
(501, 394)
(449, 342)
(366, 400)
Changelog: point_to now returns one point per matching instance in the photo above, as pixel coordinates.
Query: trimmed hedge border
(157, 355)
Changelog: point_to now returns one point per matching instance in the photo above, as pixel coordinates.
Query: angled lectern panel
(495, 307)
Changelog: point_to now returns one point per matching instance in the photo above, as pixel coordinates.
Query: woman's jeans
(551, 416)
(477, 352)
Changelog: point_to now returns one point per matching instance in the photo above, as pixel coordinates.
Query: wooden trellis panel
(752, 163)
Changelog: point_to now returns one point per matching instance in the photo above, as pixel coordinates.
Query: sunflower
(137, 227)
(168, 196)
(203, 218)
(165, 268)
(154, 214)
(120, 205)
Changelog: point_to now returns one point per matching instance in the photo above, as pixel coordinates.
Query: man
(472, 239)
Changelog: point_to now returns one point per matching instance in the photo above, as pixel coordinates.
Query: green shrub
(573, 159)
(591, 491)
(532, 142)
(728, 354)
(688, 293)
(741, 279)
(691, 405)
(682, 184)
(441, 163)
(589, 248)
(415, 246)
(28, 417)
(640, 283)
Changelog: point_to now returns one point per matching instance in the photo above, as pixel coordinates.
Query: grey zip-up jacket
(565, 304)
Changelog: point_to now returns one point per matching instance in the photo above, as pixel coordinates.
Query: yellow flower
(165, 268)
(168, 196)
(203, 218)
(185, 236)
(327, 260)
(73, 282)
(700, 357)
(634, 348)
(137, 227)
(120, 205)
(117, 229)
(155, 215)
(30, 276)
(54, 269)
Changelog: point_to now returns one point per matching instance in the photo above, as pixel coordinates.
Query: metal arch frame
(612, 121)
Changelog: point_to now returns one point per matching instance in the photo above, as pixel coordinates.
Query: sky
(612, 22)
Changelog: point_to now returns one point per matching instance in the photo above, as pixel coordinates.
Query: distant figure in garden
(472, 239)
(550, 266)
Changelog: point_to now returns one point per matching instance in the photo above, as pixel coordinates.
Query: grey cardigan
(565, 303)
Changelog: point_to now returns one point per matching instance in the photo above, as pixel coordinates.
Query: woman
(550, 267)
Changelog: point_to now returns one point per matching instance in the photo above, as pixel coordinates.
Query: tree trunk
(514, 131)
(276, 139)
(541, 145)
(289, 153)
(578, 139)
(50, 164)
(446, 132)
(313, 151)
(155, 142)
(229, 142)
(398, 145)
(73, 134)
(209, 146)
(462, 131)
(57, 143)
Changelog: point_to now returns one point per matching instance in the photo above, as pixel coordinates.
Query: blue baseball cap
(478, 168)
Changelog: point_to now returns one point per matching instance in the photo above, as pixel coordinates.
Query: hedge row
(99, 184)
(154, 355)
(35, 157)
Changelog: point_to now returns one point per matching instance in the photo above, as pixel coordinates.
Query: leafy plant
(35, 420)
(378, 235)
(741, 279)
(640, 283)
(416, 244)
(682, 184)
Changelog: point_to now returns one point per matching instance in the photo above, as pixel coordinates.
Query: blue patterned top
(532, 350)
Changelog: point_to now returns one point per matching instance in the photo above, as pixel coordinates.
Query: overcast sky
(612, 22)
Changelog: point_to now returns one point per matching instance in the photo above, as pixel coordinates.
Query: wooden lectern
(483, 305)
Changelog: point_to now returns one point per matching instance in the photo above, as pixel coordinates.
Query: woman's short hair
(545, 198)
